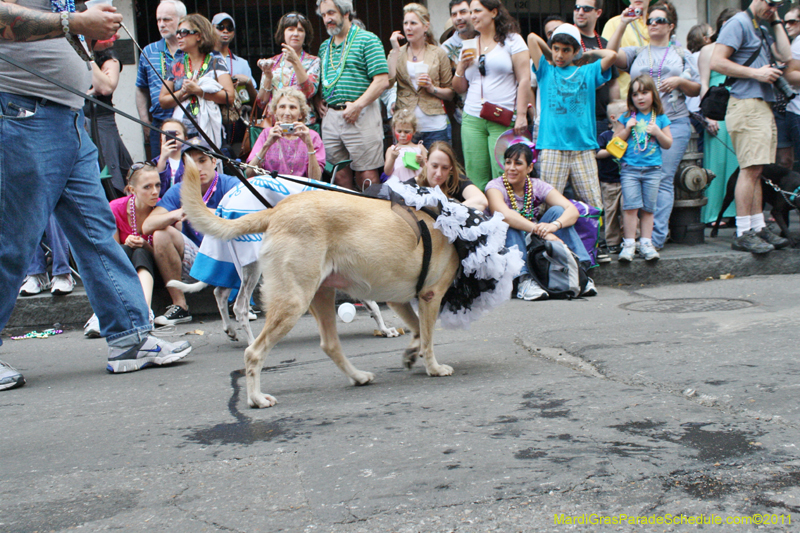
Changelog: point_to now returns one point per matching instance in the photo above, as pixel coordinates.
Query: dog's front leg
(428, 313)
(241, 307)
(375, 313)
(221, 296)
(323, 307)
(407, 315)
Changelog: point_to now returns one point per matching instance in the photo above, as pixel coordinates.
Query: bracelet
(312, 153)
(65, 22)
(776, 22)
(457, 75)
(259, 159)
(560, 225)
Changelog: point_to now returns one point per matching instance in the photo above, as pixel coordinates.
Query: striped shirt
(364, 60)
(159, 56)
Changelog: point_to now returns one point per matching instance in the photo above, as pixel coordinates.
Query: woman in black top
(444, 170)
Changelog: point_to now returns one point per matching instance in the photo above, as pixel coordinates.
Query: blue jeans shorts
(639, 187)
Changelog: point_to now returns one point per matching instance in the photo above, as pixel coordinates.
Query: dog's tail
(187, 287)
(204, 220)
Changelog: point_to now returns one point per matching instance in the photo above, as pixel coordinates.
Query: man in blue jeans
(48, 165)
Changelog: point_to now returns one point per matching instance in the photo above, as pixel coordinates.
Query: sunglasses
(657, 20)
(791, 21)
(224, 27)
(139, 166)
(297, 16)
(774, 4)
(585, 9)
(482, 64)
(184, 32)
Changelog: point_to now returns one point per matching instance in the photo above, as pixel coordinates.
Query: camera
(287, 128)
(637, 12)
(783, 86)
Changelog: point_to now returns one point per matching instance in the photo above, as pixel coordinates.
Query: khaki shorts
(754, 135)
(362, 142)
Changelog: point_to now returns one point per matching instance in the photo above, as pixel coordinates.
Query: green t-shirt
(345, 79)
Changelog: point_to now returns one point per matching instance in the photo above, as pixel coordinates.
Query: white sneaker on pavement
(149, 351)
(92, 328)
(627, 254)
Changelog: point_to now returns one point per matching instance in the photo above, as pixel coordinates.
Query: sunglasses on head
(774, 4)
(585, 9)
(184, 32)
(482, 64)
(139, 166)
(657, 20)
(224, 27)
(297, 16)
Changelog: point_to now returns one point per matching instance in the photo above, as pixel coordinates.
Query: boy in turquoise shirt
(567, 131)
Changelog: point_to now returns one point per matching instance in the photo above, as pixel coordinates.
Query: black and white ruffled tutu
(488, 268)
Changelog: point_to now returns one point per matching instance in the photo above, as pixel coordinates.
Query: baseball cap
(571, 31)
(219, 17)
(195, 143)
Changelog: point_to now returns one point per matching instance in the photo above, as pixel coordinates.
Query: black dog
(786, 180)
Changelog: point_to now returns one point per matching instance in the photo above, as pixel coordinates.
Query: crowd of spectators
(451, 105)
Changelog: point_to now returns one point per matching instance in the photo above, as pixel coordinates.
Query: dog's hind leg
(730, 194)
(285, 307)
(375, 313)
(323, 307)
(428, 313)
(407, 314)
(221, 296)
(241, 307)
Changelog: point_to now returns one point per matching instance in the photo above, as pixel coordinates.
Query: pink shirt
(288, 156)
(120, 209)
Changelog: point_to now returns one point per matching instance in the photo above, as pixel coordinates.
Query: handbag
(254, 128)
(617, 147)
(495, 113)
(230, 112)
(714, 104)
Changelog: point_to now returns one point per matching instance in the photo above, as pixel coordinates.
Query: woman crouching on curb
(143, 188)
(522, 200)
(444, 170)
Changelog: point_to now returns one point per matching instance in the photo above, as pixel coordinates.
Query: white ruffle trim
(485, 262)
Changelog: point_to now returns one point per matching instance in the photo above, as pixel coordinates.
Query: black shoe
(174, 314)
(603, 255)
(614, 248)
(775, 240)
(750, 242)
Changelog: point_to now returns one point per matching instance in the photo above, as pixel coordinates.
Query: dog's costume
(488, 268)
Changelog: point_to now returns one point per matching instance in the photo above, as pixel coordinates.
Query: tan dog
(317, 242)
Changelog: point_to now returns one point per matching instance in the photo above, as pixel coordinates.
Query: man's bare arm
(22, 24)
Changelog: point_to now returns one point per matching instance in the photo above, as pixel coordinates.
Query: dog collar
(794, 194)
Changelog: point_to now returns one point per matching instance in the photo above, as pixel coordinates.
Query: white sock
(757, 222)
(628, 243)
(742, 225)
(644, 241)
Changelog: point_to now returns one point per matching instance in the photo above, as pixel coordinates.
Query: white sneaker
(92, 328)
(251, 315)
(524, 281)
(648, 252)
(590, 289)
(627, 253)
(150, 351)
(34, 284)
(62, 284)
(534, 292)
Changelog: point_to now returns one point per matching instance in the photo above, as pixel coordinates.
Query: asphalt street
(671, 403)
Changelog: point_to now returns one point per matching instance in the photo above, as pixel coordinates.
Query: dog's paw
(391, 332)
(231, 332)
(440, 370)
(410, 357)
(362, 378)
(260, 401)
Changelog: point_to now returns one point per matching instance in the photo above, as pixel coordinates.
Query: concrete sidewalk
(678, 264)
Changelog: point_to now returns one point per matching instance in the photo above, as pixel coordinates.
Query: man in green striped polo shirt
(353, 75)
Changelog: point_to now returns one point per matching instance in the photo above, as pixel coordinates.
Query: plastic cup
(90, 3)
(347, 312)
(470, 45)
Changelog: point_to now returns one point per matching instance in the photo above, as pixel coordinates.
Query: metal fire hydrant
(691, 179)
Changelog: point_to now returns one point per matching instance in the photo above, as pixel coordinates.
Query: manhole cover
(687, 305)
